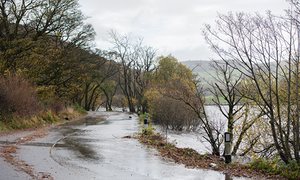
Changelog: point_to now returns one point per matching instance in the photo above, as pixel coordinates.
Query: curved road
(96, 149)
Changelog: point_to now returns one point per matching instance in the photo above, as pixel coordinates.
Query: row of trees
(45, 40)
(176, 98)
(137, 62)
(257, 79)
(48, 43)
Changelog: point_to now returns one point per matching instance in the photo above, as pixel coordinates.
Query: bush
(46, 94)
(3, 127)
(148, 131)
(57, 107)
(17, 98)
(174, 114)
(266, 166)
(276, 167)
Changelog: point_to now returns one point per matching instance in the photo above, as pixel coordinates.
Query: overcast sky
(171, 26)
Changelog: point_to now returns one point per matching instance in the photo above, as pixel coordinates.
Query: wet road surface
(96, 149)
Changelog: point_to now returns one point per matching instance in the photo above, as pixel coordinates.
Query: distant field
(209, 99)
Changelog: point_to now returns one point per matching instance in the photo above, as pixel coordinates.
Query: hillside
(202, 68)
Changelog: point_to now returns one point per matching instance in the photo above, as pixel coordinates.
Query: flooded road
(96, 149)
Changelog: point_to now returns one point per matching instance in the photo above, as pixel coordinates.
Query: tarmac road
(95, 149)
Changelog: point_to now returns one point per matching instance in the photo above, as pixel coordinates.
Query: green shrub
(291, 170)
(79, 109)
(263, 165)
(276, 167)
(174, 114)
(3, 127)
(143, 116)
(148, 131)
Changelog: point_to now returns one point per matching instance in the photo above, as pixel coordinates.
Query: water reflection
(83, 151)
(88, 121)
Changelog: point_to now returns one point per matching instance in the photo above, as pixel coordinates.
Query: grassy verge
(42, 119)
(191, 158)
(42, 122)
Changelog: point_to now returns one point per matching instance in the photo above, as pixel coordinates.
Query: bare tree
(192, 94)
(225, 89)
(137, 61)
(144, 66)
(125, 55)
(263, 49)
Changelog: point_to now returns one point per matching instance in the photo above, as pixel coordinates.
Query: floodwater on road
(96, 149)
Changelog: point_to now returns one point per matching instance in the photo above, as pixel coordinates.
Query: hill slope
(202, 68)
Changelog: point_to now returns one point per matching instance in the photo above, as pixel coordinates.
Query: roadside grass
(41, 119)
(44, 118)
(3, 127)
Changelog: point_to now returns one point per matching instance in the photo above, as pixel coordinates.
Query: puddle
(88, 121)
(67, 131)
(44, 144)
(105, 122)
(7, 142)
(83, 151)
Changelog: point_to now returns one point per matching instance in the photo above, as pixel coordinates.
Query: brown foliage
(174, 114)
(17, 97)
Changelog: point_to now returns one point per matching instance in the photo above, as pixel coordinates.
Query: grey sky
(171, 26)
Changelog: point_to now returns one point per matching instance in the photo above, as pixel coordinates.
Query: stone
(213, 165)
